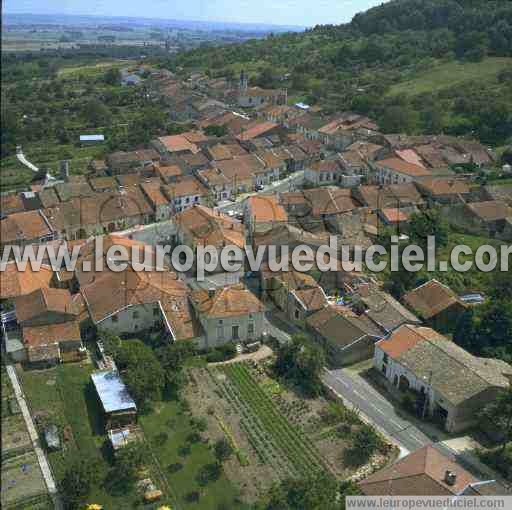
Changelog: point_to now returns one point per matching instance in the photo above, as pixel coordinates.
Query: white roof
(92, 138)
(112, 391)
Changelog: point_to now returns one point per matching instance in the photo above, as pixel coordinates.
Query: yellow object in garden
(94, 506)
(164, 508)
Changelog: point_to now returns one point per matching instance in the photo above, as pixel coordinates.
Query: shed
(118, 405)
(91, 139)
(51, 436)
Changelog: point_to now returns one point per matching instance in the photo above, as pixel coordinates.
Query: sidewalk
(41, 457)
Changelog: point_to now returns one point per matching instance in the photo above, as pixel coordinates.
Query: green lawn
(66, 396)
(168, 417)
(450, 74)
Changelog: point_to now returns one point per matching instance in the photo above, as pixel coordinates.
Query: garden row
(298, 449)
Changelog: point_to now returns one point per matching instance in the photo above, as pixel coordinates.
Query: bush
(222, 353)
(209, 473)
(223, 450)
(192, 497)
(174, 468)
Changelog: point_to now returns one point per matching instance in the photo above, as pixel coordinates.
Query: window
(187, 200)
(297, 314)
(156, 312)
(386, 357)
(196, 199)
(235, 332)
(250, 329)
(220, 331)
(135, 315)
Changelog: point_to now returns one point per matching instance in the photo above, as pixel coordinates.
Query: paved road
(288, 184)
(375, 408)
(41, 457)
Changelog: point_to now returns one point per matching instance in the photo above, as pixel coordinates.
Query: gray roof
(387, 312)
(112, 391)
(454, 372)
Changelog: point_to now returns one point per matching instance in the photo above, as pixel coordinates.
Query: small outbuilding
(118, 406)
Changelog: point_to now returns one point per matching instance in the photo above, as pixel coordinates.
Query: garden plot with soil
(275, 432)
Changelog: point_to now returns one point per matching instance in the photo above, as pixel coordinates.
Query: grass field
(450, 74)
(64, 396)
(93, 69)
(168, 417)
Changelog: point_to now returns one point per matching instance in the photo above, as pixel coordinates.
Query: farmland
(276, 434)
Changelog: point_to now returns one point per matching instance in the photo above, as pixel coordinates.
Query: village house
(217, 183)
(202, 226)
(436, 304)
(322, 172)
(15, 283)
(162, 207)
(274, 167)
(450, 384)
(256, 130)
(403, 196)
(25, 228)
(229, 314)
(101, 213)
(263, 213)
(169, 174)
(492, 219)
(444, 191)
(131, 162)
(186, 192)
(10, 203)
(397, 171)
(347, 337)
(424, 472)
(240, 172)
(345, 129)
(144, 300)
(296, 294)
(103, 184)
(48, 319)
(174, 145)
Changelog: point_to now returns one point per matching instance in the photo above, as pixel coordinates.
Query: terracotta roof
(400, 166)
(186, 186)
(421, 473)
(230, 301)
(178, 143)
(195, 136)
(394, 215)
(431, 298)
(41, 301)
(326, 165)
(265, 208)
(405, 337)
(168, 171)
(491, 210)
(311, 299)
(14, 283)
(153, 192)
(24, 226)
(141, 288)
(219, 152)
(11, 203)
(210, 228)
(198, 159)
(36, 336)
(438, 186)
(213, 177)
(240, 168)
(389, 196)
(256, 130)
(410, 156)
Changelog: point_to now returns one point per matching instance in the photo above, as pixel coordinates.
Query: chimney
(450, 477)
(64, 169)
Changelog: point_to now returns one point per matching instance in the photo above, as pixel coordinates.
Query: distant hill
(78, 20)
(356, 65)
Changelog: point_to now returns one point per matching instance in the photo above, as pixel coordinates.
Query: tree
(398, 119)
(315, 493)
(77, 481)
(97, 113)
(499, 413)
(112, 76)
(216, 130)
(130, 459)
(141, 371)
(428, 223)
(223, 450)
(209, 473)
(301, 362)
(506, 157)
(465, 334)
